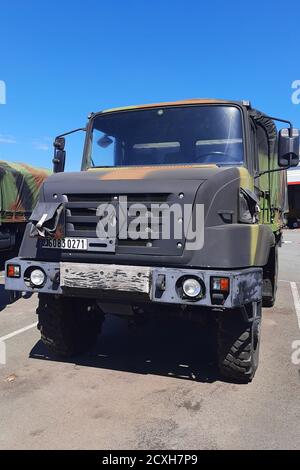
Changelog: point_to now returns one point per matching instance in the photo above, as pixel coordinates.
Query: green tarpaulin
(19, 190)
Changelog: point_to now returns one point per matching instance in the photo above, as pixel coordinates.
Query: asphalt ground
(155, 387)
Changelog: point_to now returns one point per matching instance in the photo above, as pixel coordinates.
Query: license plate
(65, 243)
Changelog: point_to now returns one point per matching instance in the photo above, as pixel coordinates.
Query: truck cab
(179, 208)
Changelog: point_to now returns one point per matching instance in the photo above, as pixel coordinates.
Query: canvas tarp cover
(19, 190)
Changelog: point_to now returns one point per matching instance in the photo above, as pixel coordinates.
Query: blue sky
(62, 59)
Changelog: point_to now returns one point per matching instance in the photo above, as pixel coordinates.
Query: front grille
(81, 218)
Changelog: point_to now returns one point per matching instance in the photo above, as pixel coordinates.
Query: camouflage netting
(19, 190)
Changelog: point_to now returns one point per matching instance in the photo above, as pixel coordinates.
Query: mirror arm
(72, 132)
(270, 171)
(285, 121)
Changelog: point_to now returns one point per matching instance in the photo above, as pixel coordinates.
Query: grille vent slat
(81, 219)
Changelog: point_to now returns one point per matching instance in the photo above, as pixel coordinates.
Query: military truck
(19, 190)
(178, 208)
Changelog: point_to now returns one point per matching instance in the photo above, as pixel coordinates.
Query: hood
(171, 181)
(216, 189)
(168, 179)
(123, 180)
(169, 172)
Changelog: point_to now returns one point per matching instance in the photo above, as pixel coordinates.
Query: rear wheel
(238, 342)
(68, 326)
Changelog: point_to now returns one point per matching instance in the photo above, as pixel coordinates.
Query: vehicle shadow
(173, 348)
(8, 297)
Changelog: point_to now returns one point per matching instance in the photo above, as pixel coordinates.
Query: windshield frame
(86, 159)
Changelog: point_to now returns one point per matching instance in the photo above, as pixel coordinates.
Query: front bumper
(136, 283)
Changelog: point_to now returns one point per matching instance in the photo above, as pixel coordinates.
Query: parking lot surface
(154, 387)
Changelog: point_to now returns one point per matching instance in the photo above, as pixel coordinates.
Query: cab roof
(259, 117)
(178, 103)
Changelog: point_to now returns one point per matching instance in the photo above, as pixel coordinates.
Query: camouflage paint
(19, 190)
(139, 172)
(246, 180)
(169, 103)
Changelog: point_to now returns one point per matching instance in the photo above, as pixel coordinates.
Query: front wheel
(69, 326)
(238, 342)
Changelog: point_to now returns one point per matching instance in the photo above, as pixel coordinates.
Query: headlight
(191, 287)
(37, 277)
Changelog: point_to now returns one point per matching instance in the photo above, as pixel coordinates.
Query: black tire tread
(235, 352)
(68, 326)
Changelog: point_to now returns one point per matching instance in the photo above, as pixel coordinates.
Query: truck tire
(270, 279)
(68, 326)
(238, 343)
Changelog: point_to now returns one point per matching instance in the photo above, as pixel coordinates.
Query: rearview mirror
(59, 143)
(59, 158)
(288, 147)
(105, 141)
(58, 161)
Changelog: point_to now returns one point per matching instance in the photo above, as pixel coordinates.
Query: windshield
(167, 136)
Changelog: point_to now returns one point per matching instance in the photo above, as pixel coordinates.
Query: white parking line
(285, 280)
(17, 332)
(296, 298)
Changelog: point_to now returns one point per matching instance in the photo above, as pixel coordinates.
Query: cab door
(262, 182)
